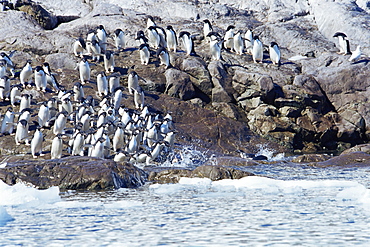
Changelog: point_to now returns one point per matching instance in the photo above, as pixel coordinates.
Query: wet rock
(199, 75)
(358, 148)
(41, 15)
(309, 158)
(205, 171)
(73, 173)
(219, 80)
(352, 159)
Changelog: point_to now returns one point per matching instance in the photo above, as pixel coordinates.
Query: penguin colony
(101, 126)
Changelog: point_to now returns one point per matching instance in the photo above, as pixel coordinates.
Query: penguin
(162, 36)
(84, 69)
(101, 35)
(207, 28)
(78, 144)
(343, 43)
(9, 63)
(125, 118)
(60, 123)
(164, 57)
(187, 42)
(25, 102)
(170, 120)
(229, 38)
(50, 78)
(102, 119)
(215, 46)
(257, 52)
(109, 61)
(36, 143)
(132, 82)
(170, 138)
(91, 36)
(238, 43)
(57, 147)
(122, 156)
(26, 73)
(79, 46)
(4, 88)
(40, 79)
(21, 133)
(171, 39)
(43, 115)
(98, 148)
(94, 50)
(156, 151)
(139, 97)
(78, 92)
(66, 105)
(132, 146)
(274, 52)
(119, 39)
(102, 84)
(118, 138)
(85, 121)
(355, 55)
(7, 125)
(140, 37)
(249, 41)
(113, 82)
(144, 54)
(3, 68)
(15, 94)
(152, 135)
(117, 98)
(153, 37)
(25, 114)
(150, 22)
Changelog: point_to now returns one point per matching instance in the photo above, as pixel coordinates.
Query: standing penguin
(15, 94)
(50, 78)
(84, 69)
(57, 147)
(132, 82)
(21, 133)
(150, 22)
(249, 41)
(207, 28)
(187, 42)
(229, 38)
(140, 36)
(4, 88)
(343, 43)
(162, 37)
(98, 148)
(238, 43)
(119, 39)
(102, 84)
(171, 39)
(164, 57)
(36, 143)
(7, 125)
(26, 73)
(78, 144)
(109, 61)
(60, 123)
(144, 54)
(139, 97)
(153, 37)
(78, 92)
(43, 115)
(3, 68)
(9, 63)
(257, 52)
(40, 79)
(25, 101)
(215, 46)
(274, 52)
(101, 35)
(79, 46)
(113, 82)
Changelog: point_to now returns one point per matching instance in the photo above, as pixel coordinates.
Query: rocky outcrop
(205, 171)
(73, 173)
(352, 159)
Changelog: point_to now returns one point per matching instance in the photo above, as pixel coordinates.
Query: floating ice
(20, 194)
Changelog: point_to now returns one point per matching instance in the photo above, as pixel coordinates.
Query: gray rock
(178, 84)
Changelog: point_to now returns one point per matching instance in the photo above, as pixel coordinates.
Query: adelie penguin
(249, 41)
(50, 78)
(7, 125)
(57, 147)
(94, 50)
(153, 37)
(171, 39)
(343, 43)
(40, 79)
(119, 39)
(101, 35)
(207, 28)
(274, 52)
(79, 47)
(144, 54)
(36, 143)
(4, 88)
(257, 52)
(164, 57)
(21, 133)
(109, 61)
(215, 46)
(26, 73)
(238, 43)
(229, 38)
(356, 55)
(84, 69)
(132, 81)
(102, 84)
(187, 42)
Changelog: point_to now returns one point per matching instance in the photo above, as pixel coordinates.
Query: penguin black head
(230, 27)
(273, 44)
(142, 46)
(38, 68)
(207, 21)
(117, 31)
(255, 37)
(169, 27)
(23, 122)
(339, 34)
(101, 27)
(182, 33)
(82, 42)
(108, 54)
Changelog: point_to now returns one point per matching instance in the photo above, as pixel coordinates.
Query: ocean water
(287, 205)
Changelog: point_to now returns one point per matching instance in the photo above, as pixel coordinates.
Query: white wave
(20, 194)
(123, 204)
(269, 153)
(4, 216)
